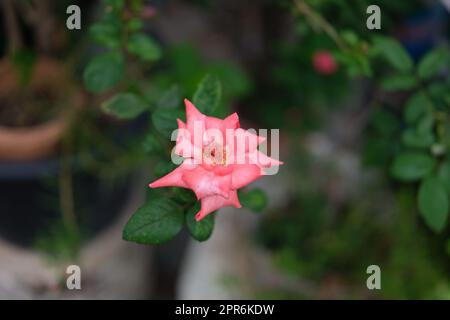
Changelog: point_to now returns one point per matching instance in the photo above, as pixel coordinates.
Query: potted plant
(57, 207)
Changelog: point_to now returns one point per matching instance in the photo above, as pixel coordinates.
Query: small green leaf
(394, 53)
(144, 47)
(439, 91)
(350, 37)
(376, 152)
(151, 144)
(104, 71)
(416, 139)
(202, 229)
(433, 62)
(444, 174)
(116, 4)
(125, 106)
(416, 106)
(170, 99)
(233, 78)
(399, 82)
(184, 196)
(157, 221)
(135, 25)
(105, 34)
(412, 166)
(163, 168)
(208, 94)
(255, 199)
(433, 203)
(165, 120)
(426, 124)
(386, 123)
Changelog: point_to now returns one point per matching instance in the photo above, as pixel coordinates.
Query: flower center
(215, 154)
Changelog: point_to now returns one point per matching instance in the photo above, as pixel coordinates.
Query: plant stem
(14, 36)
(317, 20)
(439, 117)
(41, 19)
(66, 186)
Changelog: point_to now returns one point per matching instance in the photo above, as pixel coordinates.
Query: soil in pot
(36, 97)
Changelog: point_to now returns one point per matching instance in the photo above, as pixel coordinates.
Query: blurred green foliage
(136, 88)
(325, 245)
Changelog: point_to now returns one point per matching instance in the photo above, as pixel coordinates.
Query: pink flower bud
(324, 62)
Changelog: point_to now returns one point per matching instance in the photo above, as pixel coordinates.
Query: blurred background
(364, 133)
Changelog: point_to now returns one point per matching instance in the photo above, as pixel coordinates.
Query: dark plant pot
(30, 200)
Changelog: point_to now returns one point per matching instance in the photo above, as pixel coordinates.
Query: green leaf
(104, 72)
(157, 221)
(439, 91)
(416, 106)
(399, 82)
(433, 62)
(433, 203)
(151, 144)
(350, 37)
(377, 152)
(165, 120)
(208, 94)
(426, 124)
(416, 139)
(170, 99)
(162, 168)
(184, 196)
(202, 229)
(135, 25)
(412, 166)
(444, 174)
(105, 34)
(234, 80)
(385, 122)
(255, 199)
(394, 53)
(125, 106)
(116, 4)
(144, 47)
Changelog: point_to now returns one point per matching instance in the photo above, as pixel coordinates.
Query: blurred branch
(318, 21)
(39, 16)
(66, 185)
(14, 36)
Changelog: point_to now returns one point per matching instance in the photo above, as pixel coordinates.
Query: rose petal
(205, 183)
(212, 203)
(174, 178)
(246, 141)
(260, 159)
(243, 174)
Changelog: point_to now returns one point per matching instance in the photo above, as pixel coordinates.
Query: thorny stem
(318, 21)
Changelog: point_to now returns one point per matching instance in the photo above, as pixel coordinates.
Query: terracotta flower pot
(31, 143)
(38, 139)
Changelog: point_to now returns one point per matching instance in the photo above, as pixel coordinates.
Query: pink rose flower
(219, 158)
(324, 62)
